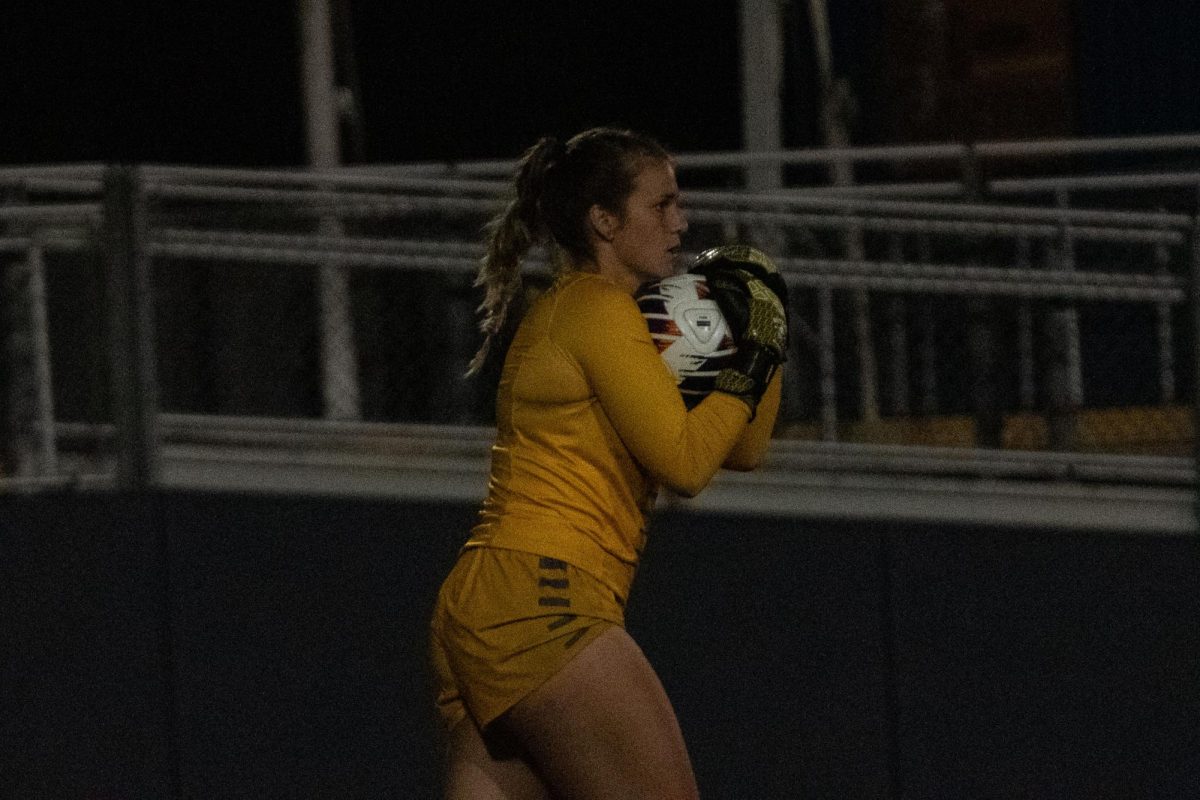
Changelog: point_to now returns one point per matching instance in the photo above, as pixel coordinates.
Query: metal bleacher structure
(994, 333)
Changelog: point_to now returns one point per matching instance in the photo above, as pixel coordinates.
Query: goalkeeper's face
(647, 240)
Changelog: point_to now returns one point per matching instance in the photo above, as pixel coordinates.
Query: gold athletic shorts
(504, 622)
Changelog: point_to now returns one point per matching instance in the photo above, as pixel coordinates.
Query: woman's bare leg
(476, 773)
(602, 727)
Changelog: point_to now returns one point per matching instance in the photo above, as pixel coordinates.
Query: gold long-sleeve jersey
(590, 423)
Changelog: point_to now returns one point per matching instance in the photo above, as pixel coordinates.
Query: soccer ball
(692, 336)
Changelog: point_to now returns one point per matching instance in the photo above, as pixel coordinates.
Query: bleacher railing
(1042, 326)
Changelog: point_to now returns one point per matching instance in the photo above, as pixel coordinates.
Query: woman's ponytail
(510, 235)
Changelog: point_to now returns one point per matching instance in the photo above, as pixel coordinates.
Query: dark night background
(226, 645)
(216, 82)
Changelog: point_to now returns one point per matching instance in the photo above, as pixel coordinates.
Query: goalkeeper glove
(742, 257)
(752, 296)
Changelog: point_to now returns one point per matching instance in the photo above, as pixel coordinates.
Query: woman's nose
(681, 223)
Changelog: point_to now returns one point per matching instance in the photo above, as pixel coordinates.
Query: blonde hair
(555, 186)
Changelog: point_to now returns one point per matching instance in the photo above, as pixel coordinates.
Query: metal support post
(827, 365)
(28, 446)
(1064, 375)
(132, 374)
(1026, 362)
(927, 345)
(339, 362)
(44, 446)
(982, 337)
(1194, 302)
(1165, 330)
(834, 104)
(897, 337)
(762, 85)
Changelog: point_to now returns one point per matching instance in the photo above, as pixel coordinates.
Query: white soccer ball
(691, 334)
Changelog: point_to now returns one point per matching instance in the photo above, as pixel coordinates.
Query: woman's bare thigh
(602, 727)
(479, 771)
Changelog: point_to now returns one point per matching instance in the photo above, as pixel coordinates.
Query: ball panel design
(689, 331)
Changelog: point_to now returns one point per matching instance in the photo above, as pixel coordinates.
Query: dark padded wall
(770, 637)
(1047, 665)
(82, 667)
(826, 660)
(300, 631)
(805, 659)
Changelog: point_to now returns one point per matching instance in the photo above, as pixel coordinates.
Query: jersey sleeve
(752, 445)
(605, 334)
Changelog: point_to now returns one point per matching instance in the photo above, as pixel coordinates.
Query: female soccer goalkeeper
(542, 691)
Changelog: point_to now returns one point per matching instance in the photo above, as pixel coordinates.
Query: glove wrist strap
(756, 362)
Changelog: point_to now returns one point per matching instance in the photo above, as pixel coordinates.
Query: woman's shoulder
(587, 303)
(591, 290)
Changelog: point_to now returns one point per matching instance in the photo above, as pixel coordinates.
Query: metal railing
(1136, 171)
(174, 304)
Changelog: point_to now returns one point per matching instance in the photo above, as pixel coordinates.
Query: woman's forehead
(656, 177)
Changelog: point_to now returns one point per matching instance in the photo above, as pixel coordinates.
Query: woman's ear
(604, 223)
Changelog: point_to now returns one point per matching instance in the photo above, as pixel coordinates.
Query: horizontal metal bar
(1161, 180)
(984, 274)
(91, 481)
(1132, 145)
(1056, 467)
(476, 249)
(321, 202)
(77, 186)
(1043, 289)
(496, 168)
(1038, 459)
(1069, 492)
(943, 189)
(785, 456)
(356, 244)
(830, 201)
(53, 242)
(830, 155)
(897, 153)
(315, 202)
(15, 174)
(1057, 507)
(180, 424)
(294, 432)
(884, 276)
(1088, 146)
(832, 221)
(320, 179)
(903, 154)
(915, 225)
(51, 212)
(784, 453)
(986, 289)
(304, 256)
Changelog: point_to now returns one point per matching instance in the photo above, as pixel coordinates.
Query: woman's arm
(750, 448)
(601, 328)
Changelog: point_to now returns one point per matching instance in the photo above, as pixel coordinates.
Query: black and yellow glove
(752, 296)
